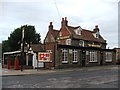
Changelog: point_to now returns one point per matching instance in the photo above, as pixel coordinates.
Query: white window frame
(97, 34)
(83, 44)
(50, 51)
(78, 31)
(93, 56)
(65, 56)
(68, 41)
(108, 56)
(75, 56)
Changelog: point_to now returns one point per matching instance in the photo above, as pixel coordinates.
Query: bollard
(16, 64)
(8, 63)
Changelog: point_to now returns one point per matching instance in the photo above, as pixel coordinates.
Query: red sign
(44, 57)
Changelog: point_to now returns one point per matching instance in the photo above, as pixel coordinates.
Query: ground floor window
(64, 56)
(108, 56)
(74, 55)
(93, 56)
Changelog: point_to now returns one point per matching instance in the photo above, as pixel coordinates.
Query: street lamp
(22, 49)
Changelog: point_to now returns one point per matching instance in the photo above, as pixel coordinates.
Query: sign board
(93, 45)
(44, 57)
(64, 37)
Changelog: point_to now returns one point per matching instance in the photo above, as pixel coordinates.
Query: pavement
(11, 72)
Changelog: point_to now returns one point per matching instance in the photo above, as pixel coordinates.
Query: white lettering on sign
(64, 37)
(93, 45)
(44, 57)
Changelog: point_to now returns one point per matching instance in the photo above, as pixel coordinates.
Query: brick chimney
(96, 28)
(50, 26)
(64, 22)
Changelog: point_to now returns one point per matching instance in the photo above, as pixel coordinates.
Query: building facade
(75, 47)
(30, 56)
(70, 46)
(50, 42)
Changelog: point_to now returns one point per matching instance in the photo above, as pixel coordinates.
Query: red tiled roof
(35, 47)
(73, 27)
(85, 35)
(88, 35)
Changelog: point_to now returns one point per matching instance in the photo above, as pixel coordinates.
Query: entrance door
(30, 58)
(83, 58)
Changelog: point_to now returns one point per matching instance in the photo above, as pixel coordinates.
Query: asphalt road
(67, 79)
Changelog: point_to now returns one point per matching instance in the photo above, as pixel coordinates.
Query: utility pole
(22, 49)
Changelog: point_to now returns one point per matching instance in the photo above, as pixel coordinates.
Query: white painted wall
(40, 64)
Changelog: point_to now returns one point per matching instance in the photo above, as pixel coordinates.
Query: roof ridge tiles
(73, 27)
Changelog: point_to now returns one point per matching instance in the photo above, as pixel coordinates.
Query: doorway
(30, 59)
(83, 57)
(101, 58)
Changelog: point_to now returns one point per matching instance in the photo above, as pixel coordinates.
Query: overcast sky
(84, 13)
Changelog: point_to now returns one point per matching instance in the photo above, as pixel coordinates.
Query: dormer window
(97, 34)
(78, 31)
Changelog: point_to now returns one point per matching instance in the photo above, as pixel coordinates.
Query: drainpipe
(54, 55)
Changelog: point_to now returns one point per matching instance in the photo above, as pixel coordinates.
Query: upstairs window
(78, 31)
(97, 34)
(81, 43)
(68, 41)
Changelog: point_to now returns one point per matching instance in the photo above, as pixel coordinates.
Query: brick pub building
(76, 47)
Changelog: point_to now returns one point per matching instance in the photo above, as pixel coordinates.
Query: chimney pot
(50, 26)
(62, 19)
(50, 23)
(96, 26)
(65, 18)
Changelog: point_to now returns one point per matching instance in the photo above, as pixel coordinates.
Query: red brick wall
(50, 46)
(64, 32)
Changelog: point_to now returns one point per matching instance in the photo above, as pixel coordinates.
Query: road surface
(68, 79)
